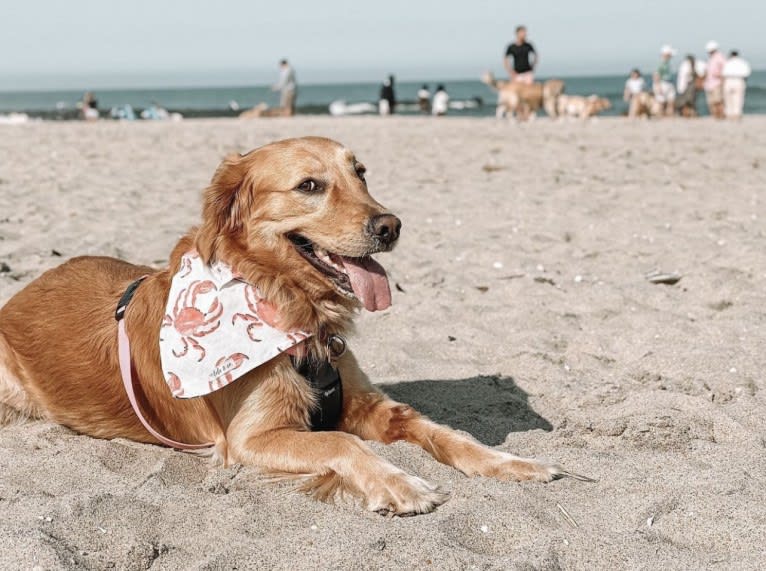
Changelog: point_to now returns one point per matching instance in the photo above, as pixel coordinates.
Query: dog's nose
(385, 227)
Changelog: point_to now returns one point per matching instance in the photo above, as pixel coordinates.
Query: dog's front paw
(401, 494)
(509, 467)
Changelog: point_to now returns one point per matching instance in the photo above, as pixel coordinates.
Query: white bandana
(216, 328)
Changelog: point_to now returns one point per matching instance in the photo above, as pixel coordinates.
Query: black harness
(325, 380)
(323, 377)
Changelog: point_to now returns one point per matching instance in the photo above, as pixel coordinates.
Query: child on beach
(634, 85)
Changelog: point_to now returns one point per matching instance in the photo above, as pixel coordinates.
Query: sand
(521, 314)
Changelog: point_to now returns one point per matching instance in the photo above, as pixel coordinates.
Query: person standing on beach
(664, 91)
(634, 87)
(89, 107)
(524, 56)
(735, 72)
(689, 72)
(387, 102)
(687, 79)
(424, 99)
(441, 101)
(714, 79)
(288, 88)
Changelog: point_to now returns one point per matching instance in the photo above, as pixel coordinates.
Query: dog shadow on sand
(488, 407)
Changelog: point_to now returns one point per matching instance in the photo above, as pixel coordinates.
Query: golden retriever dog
(581, 107)
(523, 100)
(296, 219)
(644, 105)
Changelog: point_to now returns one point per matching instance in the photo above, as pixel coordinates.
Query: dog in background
(644, 104)
(581, 107)
(295, 219)
(524, 100)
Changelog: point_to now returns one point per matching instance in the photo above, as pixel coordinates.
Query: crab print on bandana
(216, 328)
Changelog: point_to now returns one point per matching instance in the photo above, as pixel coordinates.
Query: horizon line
(224, 85)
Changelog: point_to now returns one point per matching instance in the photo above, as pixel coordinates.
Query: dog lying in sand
(581, 107)
(292, 226)
(524, 100)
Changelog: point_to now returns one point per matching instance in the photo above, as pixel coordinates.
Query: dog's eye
(360, 170)
(309, 185)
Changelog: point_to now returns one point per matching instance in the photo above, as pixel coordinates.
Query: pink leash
(126, 369)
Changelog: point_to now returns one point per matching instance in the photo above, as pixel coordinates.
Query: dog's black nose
(385, 227)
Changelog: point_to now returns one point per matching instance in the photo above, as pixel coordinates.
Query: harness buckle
(336, 347)
(122, 305)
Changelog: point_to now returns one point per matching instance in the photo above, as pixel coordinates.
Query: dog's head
(295, 217)
(489, 78)
(598, 104)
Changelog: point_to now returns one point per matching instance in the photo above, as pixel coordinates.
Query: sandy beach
(521, 314)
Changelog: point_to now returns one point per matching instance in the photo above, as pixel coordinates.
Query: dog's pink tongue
(369, 281)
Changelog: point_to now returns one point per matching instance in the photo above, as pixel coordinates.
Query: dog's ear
(224, 203)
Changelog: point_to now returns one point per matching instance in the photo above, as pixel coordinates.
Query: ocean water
(475, 98)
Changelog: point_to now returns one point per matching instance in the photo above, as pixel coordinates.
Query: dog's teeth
(322, 254)
(326, 258)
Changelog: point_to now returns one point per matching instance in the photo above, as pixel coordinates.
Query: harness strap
(326, 381)
(322, 376)
(126, 370)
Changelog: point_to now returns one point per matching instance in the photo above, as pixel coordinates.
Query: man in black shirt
(524, 56)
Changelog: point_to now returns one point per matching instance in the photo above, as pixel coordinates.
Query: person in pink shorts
(714, 80)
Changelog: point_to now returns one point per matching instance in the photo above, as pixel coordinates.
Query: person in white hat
(662, 81)
(714, 79)
(735, 72)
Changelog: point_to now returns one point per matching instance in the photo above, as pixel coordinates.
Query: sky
(140, 43)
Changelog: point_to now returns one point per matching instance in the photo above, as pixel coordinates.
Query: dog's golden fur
(523, 100)
(59, 359)
(644, 104)
(581, 107)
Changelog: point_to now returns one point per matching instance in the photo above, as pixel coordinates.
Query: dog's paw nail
(561, 473)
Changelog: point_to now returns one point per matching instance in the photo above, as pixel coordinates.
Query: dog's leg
(334, 462)
(273, 436)
(372, 415)
(15, 403)
(523, 111)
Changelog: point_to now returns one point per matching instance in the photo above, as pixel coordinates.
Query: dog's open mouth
(363, 278)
